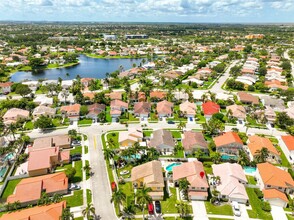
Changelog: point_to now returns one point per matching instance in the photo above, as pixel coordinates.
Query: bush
(291, 172)
(213, 200)
(258, 193)
(266, 206)
(224, 199)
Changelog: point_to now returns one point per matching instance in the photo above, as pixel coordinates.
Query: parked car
(157, 207)
(75, 159)
(151, 208)
(236, 208)
(76, 155)
(171, 122)
(74, 187)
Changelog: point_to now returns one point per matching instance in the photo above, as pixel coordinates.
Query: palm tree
(243, 159)
(87, 168)
(143, 198)
(215, 157)
(12, 129)
(181, 126)
(56, 198)
(183, 186)
(89, 211)
(66, 214)
(108, 154)
(182, 208)
(129, 209)
(118, 197)
(261, 155)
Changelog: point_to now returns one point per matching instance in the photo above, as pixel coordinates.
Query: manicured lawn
(88, 172)
(57, 122)
(126, 116)
(218, 210)
(201, 119)
(284, 162)
(153, 117)
(147, 133)
(9, 189)
(251, 180)
(85, 137)
(290, 217)
(108, 116)
(89, 196)
(255, 203)
(85, 121)
(29, 125)
(79, 174)
(168, 203)
(76, 150)
(176, 134)
(112, 138)
(79, 218)
(207, 167)
(65, 166)
(86, 149)
(75, 200)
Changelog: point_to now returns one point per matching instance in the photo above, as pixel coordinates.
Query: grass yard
(75, 200)
(251, 180)
(147, 133)
(65, 166)
(112, 140)
(85, 121)
(176, 134)
(86, 149)
(218, 210)
(9, 189)
(87, 172)
(76, 150)
(29, 125)
(290, 217)
(284, 162)
(108, 116)
(207, 167)
(255, 203)
(89, 196)
(168, 203)
(201, 119)
(79, 218)
(79, 174)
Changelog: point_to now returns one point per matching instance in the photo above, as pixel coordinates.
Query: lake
(88, 67)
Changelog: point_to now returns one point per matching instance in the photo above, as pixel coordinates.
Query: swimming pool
(2, 171)
(169, 168)
(250, 170)
(8, 156)
(229, 157)
(134, 156)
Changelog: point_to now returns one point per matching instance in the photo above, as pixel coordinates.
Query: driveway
(244, 213)
(199, 210)
(278, 213)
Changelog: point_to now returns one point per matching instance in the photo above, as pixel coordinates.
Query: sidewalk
(199, 210)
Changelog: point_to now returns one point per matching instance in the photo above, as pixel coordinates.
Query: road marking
(95, 142)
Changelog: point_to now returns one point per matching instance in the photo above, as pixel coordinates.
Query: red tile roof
(227, 138)
(289, 141)
(210, 108)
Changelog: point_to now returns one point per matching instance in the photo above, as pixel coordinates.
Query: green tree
(101, 116)
(56, 198)
(44, 122)
(72, 133)
(143, 198)
(108, 153)
(70, 172)
(89, 211)
(261, 155)
(215, 157)
(22, 90)
(184, 186)
(118, 197)
(84, 110)
(181, 126)
(183, 208)
(66, 214)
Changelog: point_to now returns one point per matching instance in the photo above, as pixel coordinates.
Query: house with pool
(130, 137)
(150, 175)
(228, 145)
(194, 172)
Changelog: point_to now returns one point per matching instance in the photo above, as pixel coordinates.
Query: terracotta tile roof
(157, 94)
(274, 176)
(227, 138)
(30, 189)
(289, 141)
(164, 107)
(246, 97)
(96, 108)
(191, 171)
(71, 108)
(49, 212)
(194, 139)
(188, 108)
(40, 158)
(142, 108)
(6, 84)
(14, 112)
(90, 95)
(151, 172)
(238, 111)
(114, 95)
(257, 143)
(118, 104)
(53, 141)
(210, 108)
(273, 194)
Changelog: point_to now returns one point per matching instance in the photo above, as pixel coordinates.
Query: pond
(88, 67)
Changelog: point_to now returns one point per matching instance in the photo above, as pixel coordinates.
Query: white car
(236, 208)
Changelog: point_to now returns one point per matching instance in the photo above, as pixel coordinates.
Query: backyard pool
(250, 170)
(134, 156)
(169, 168)
(229, 157)
(2, 171)
(8, 156)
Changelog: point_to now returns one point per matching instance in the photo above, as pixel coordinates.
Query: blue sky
(235, 11)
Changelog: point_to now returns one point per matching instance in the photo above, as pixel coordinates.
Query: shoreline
(113, 57)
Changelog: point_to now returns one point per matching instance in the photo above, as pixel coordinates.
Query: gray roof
(162, 137)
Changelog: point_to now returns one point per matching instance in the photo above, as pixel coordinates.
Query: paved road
(286, 55)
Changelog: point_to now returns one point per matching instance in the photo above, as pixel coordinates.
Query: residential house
(46, 212)
(117, 107)
(33, 85)
(256, 143)
(43, 100)
(188, 109)
(114, 95)
(95, 110)
(232, 182)
(66, 97)
(150, 175)
(15, 114)
(71, 111)
(237, 111)
(44, 111)
(142, 110)
(157, 95)
(5, 88)
(247, 98)
(194, 141)
(29, 190)
(229, 143)
(86, 81)
(164, 109)
(138, 97)
(287, 144)
(66, 84)
(210, 108)
(61, 141)
(276, 104)
(194, 173)
(163, 141)
(130, 137)
(290, 112)
(279, 181)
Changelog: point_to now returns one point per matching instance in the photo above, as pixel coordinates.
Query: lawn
(153, 117)
(75, 200)
(284, 160)
(126, 116)
(147, 133)
(57, 122)
(290, 217)
(112, 140)
(201, 119)
(86, 149)
(65, 166)
(79, 172)
(168, 203)
(207, 167)
(85, 121)
(29, 125)
(176, 134)
(255, 203)
(89, 196)
(79, 218)
(108, 116)
(9, 189)
(88, 172)
(218, 210)
(251, 180)
(76, 150)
